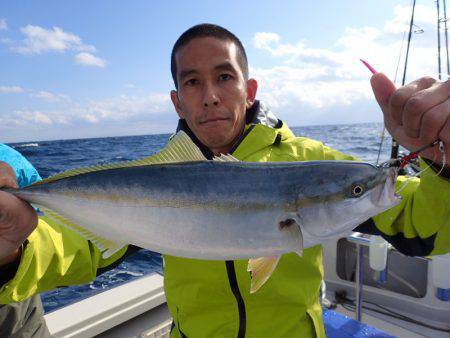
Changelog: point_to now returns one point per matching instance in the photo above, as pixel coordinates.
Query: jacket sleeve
(420, 224)
(55, 256)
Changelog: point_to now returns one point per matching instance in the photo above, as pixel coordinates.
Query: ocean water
(51, 157)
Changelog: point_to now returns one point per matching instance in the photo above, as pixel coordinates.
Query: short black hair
(205, 30)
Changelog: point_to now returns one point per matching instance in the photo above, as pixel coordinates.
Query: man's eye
(191, 82)
(224, 77)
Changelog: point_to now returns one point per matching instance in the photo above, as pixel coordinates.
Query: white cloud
(39, 40)
(50, 97)
(3, 25)
(316, 78)
(423, 16)
(124, 107)
(66, 113)
(263, 40)
(285, 86)
(11, 89)
(88, 59)
(319, 80)
(6, 41)
(47, 96)
(270, 42)
(38, 117)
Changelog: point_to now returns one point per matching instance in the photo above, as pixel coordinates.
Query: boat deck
(138, 309)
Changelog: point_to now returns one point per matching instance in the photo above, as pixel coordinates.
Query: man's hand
(8, 177)
(17, 218)
(416, 114)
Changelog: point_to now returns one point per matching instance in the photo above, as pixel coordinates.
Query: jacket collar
(262, 130)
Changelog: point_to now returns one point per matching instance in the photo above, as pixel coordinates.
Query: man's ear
(176, 103)
(252, 88)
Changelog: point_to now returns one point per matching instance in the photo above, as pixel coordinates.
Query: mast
(446, 37)
(439, 39)
(395, 145)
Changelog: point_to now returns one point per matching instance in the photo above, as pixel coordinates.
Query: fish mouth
(385, 195)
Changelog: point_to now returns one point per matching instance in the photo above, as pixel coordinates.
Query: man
(216, 103)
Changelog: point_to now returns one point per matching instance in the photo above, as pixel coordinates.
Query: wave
(25, 145)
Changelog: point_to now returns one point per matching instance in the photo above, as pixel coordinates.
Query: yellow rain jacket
(211, 298)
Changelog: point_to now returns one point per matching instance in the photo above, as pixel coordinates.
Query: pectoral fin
(292, 228)
(107, 247)
(261, 269)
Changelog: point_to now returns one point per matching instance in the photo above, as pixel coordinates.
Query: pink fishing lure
(369, 66)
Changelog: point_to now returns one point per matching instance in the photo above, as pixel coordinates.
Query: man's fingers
(18, 219)
(421, 102)
(382, 88)
(8, 177)
(433, 122)
(436, 126)
(397, 103)
(400, 98)
(444, 135)
(8, 182)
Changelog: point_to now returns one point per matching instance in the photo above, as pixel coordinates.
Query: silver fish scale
(214, 210)
(220, 182)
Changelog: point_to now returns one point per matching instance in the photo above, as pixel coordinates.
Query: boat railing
(360, 240)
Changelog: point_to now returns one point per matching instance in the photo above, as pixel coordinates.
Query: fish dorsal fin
(107, 247)
(261, 269)
(225, 158)
(180, 148)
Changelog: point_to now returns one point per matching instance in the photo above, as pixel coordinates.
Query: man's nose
(210, 96)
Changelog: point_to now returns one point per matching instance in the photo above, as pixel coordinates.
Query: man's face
(212, 93)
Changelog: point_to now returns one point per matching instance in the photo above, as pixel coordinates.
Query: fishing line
(444, 163)
(442, 150)
(383, 133)
(381, 143)
(403, 186)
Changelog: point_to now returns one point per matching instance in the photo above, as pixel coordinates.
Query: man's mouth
(213, 120)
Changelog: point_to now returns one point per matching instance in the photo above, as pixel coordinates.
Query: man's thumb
(382, 88)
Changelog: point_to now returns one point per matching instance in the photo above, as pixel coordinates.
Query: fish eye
(357, 190)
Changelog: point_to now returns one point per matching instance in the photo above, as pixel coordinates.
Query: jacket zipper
(237, 294)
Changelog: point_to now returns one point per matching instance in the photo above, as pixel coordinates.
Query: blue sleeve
(25, 172)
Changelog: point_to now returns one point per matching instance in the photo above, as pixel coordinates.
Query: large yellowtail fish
(178, 203)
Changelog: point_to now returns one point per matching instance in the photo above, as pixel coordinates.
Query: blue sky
(101, 68)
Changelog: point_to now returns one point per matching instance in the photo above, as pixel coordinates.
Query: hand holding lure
(402, 161)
